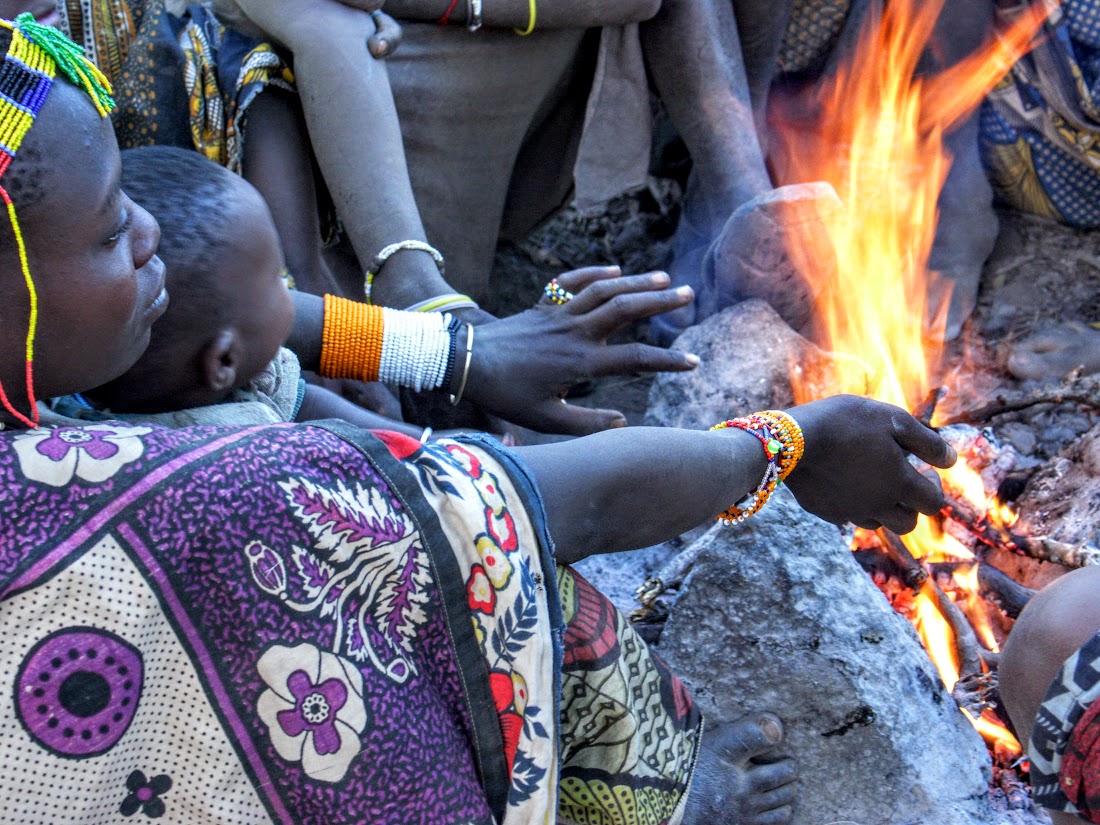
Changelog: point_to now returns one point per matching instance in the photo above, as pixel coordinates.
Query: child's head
(230, 309)
(90, 251)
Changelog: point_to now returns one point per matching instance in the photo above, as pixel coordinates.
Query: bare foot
(1054, 352)
(739, 779)
(751, 257)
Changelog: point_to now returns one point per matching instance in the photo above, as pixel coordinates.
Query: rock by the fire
(777, 615)
(747, 354)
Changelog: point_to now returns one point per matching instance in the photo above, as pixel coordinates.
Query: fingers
(627, 308)
(925, 493)
(624, 359)
(386, 38)
(601, 290)
(576, 280)
(565, 419)
(923, 442)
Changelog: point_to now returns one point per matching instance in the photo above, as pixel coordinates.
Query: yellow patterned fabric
(630, 732)
(811, 33)
(180, 81)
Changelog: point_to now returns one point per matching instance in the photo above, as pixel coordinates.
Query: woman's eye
(115, 238)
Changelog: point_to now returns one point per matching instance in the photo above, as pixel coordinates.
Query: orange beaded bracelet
(351, 339)
(784, 446)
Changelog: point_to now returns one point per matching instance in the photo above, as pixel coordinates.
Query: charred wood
(1003, 590)
(1043, 548)
(1076, 389)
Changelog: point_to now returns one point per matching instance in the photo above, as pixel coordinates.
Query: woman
(311, 624)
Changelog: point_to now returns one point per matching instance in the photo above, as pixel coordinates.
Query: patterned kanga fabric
(629, 730)
(1057, 748)
(1040, 127)
(179, 81)
(288, 624)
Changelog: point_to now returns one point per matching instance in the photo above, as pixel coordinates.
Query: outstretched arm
(523, 365)
(632, 488)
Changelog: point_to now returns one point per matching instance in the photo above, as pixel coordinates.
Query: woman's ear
(220, 360)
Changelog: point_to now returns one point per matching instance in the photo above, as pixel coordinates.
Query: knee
(1061, 618)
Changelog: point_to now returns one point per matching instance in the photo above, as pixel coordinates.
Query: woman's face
(91, 252)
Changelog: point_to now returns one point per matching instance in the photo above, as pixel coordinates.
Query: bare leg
(466, 103)
(1058, 621)
(277, 161)
(967, 226)
(733, 239)
(738, 779)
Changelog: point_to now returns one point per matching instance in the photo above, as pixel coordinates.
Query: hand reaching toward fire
(856, 466)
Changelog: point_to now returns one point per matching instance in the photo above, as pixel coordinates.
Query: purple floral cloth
(253, 625)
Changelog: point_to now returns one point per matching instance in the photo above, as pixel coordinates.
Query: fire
(878, 138)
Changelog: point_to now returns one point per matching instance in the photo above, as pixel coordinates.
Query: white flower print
(313, 708)
(93, 453)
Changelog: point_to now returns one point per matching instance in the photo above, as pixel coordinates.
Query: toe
(776, 816)
(753, 735)
(769, 777)
(762, 803)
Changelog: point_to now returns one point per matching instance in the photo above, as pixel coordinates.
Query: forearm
(358, 147)
(634, 487)
(320, 404)
(515, 14)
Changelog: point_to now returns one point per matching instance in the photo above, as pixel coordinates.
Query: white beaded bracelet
(388, 251)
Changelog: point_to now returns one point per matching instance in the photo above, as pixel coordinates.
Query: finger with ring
(557, 293)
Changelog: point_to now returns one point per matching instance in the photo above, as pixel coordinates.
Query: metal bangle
(456, 397)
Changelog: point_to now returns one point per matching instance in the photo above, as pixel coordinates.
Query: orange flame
(878, 135)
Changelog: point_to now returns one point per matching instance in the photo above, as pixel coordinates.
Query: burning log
(1005, 592)
(966, 642)
(1042, 548)
(1077, 389)
(913, 573)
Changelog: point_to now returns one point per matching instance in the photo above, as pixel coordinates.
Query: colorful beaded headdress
(34, 57)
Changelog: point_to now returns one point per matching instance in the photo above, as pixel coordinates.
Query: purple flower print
(63, 439)
(315, 710)
(93, 453)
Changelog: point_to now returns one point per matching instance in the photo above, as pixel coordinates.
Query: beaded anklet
(783, 444)
(372, 343)
(35, 55)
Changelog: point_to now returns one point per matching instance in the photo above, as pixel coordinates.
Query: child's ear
(220, 359)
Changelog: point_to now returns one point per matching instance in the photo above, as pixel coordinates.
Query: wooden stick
(1043, 548)
(912, 571)
(927, 409)
(1008, 594)
(966, 642)
(1076, 389)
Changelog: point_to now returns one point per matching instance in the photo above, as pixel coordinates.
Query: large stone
(748, 353)
(777, 615)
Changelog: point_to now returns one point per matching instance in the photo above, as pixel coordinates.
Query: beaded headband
(33, 59)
